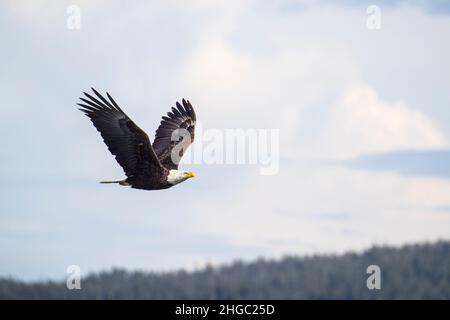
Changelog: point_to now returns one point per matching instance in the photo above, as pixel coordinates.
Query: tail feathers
(121, 182)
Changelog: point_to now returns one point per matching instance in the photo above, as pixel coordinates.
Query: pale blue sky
(338, 92)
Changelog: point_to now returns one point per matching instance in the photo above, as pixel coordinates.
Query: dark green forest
(410, 272)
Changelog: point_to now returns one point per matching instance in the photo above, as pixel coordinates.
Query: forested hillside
(411, 272)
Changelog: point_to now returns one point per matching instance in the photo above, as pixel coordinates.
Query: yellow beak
(190, 174)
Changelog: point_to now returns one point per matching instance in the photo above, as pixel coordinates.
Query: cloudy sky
(363, 116)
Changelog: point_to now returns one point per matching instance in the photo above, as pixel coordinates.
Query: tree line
(420, 271)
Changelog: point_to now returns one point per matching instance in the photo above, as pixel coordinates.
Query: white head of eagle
(147, 166)
(177, 176)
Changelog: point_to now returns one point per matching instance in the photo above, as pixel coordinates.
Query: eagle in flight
(147, 166)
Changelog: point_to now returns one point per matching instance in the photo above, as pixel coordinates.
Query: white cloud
(275, 86)
(362, 123)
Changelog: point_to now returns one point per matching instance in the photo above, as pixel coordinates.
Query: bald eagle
(147, 166)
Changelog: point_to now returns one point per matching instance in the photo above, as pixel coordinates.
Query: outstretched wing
(175, 134)
(126, 141)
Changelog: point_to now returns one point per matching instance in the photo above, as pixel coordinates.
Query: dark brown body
(156, 181)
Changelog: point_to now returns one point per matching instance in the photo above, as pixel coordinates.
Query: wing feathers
(114, 103)
(125, 140)
(180, 117)
(105, 102)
